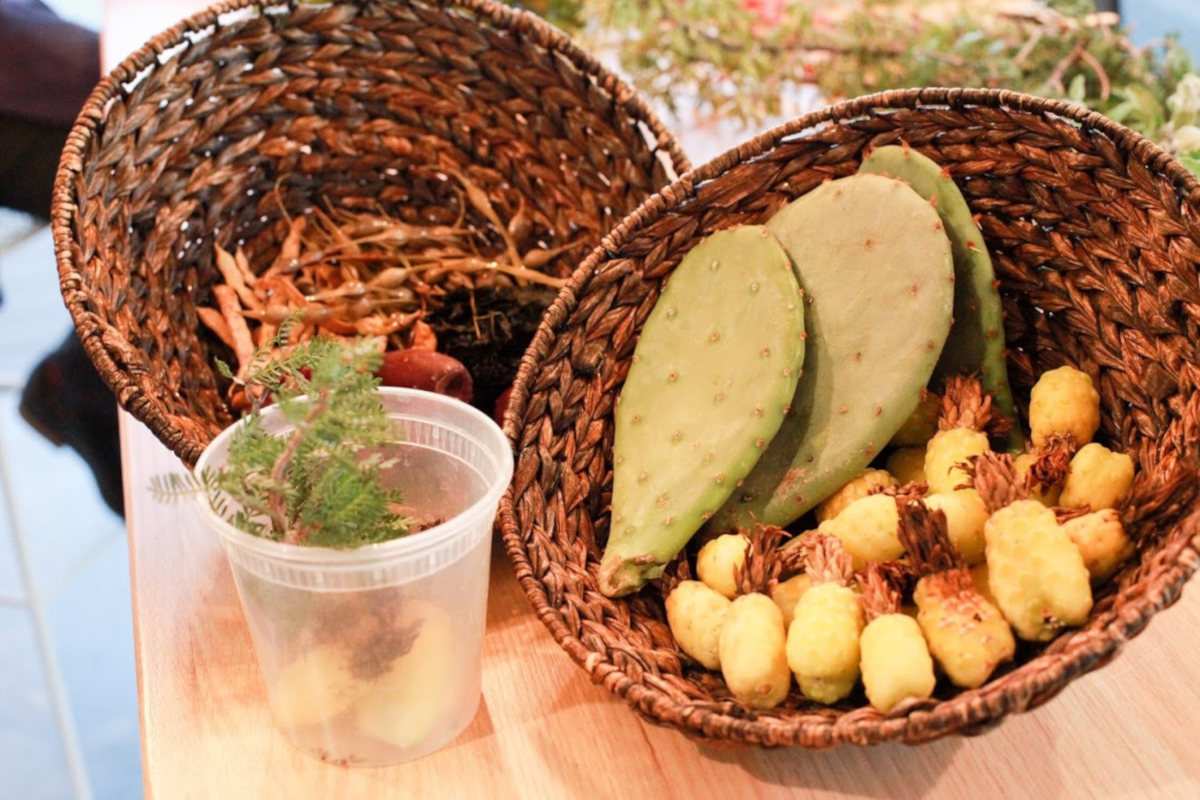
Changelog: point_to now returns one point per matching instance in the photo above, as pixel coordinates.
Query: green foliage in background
(742, 59)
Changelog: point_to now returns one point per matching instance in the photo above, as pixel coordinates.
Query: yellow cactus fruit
(867, 529)
(979, 578)
(1102, 542)
(1065, 402)
(860, 486)
(1097, 478)
(895, 661)
(907, 465)
(823, 642)
(966, 634)
(695, 613)
(718, 561)
(753, 651)
(946, 451)
(1047, 497)
(314, 688)
(405, 704)
(1035, 571)
(965, 516)
(921, 425)
(787, 593)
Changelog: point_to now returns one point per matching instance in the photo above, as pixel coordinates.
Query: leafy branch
(320, 480)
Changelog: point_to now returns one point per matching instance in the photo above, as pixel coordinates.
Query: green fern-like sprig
(320, 481)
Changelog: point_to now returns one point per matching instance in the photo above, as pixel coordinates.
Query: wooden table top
(543, 730)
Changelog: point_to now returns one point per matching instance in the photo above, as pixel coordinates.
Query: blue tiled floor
(32, 764)
(78, 553)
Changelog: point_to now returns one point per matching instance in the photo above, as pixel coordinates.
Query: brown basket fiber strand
(185, 144)
(1095, 234)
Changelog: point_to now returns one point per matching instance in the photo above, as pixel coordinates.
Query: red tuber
(418, 368)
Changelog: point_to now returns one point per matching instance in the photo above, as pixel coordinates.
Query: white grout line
(54, 682)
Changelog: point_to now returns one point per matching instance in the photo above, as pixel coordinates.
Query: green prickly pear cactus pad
(715, 367)
(976, 340)
(874, 261)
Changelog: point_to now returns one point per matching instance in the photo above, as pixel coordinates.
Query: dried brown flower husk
(913, 490)
(995, 477)
(1051, 461)
(883, 588)
(764, 562)
(964, 404)
(826, 560)
(923, 534)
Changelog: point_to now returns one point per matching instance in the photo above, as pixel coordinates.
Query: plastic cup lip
(406, 547)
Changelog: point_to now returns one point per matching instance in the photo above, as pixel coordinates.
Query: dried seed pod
(520, 225)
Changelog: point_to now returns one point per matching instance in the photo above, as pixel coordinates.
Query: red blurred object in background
(417, 368)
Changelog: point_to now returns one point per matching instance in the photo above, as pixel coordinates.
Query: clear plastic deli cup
(371, 655)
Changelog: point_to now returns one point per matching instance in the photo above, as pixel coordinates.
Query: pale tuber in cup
(371, 655)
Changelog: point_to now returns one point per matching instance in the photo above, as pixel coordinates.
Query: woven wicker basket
(186, 142)
(1095, 234)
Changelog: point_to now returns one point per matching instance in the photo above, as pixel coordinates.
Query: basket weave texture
(1095, 234)
(191, 141)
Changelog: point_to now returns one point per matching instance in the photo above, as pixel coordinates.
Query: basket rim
(92, 115)
(966, 712)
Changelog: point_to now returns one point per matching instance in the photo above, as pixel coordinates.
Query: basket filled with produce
(423, 173)
(880, 426)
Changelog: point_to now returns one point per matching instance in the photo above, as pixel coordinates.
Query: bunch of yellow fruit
(985, 544)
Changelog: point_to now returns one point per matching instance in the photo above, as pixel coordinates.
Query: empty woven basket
(1095, 233)
(192, 141)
